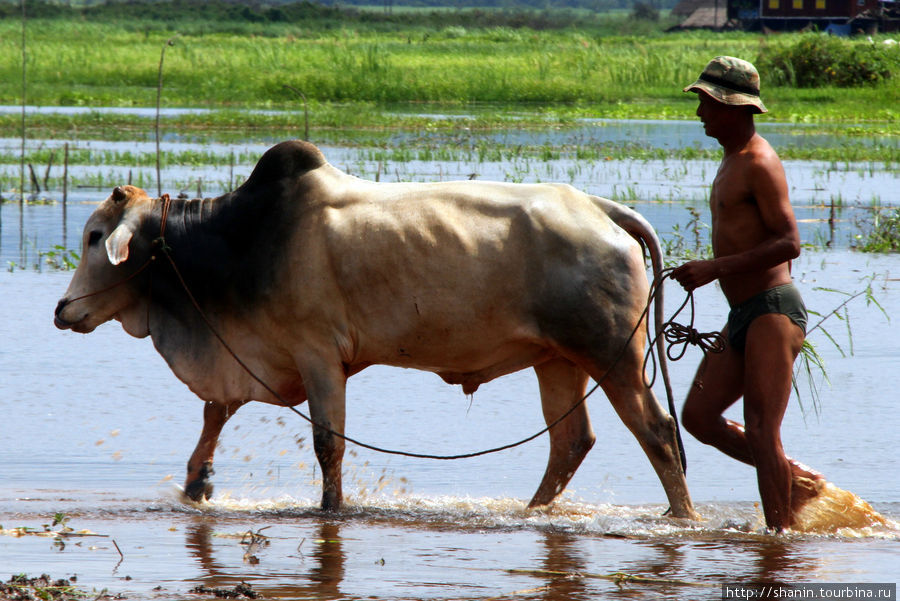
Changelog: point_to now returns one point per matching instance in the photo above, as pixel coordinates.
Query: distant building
(841, 16)
(702, 14)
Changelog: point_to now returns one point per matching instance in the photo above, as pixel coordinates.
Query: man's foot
(804, 490)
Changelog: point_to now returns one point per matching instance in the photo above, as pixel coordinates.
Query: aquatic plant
(60, 258)
(809, 361)
(21, 586)
(159, 82)
(881, 232)
(253, 541)
(59, 519)
(812, 365)
(678, 248)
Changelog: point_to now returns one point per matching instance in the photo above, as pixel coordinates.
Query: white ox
(311, 275)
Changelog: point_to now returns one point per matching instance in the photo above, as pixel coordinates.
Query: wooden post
(65, 197)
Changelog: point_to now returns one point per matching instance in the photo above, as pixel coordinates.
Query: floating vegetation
(253, 541)
(58, 528)
(44, 588)
(619, 578)
(60, 258)
(240, 591)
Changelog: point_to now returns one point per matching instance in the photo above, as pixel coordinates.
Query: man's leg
(718, 384)
(773, 342)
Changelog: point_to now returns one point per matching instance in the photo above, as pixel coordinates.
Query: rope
(117, 284)
(678, 335)
(158, 242)
(378, 449)
(681, 335)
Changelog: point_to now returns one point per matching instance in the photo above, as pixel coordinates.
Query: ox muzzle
(58, 320)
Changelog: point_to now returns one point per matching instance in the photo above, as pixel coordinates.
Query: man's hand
(694, 274)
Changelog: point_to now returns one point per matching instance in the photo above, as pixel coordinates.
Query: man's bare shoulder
(740, 169)
(759, 154)
(759, 170)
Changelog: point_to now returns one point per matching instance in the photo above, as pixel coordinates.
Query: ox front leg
(325, 390)
(654, 429)
(197, 485)
(562, 385)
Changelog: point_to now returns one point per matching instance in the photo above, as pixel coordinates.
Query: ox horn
(119, 194)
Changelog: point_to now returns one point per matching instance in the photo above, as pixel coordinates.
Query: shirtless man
(754, 239)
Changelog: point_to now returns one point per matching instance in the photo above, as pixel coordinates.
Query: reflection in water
(742, 559)
(667, 563)
(564, 557)
(329, 557)
(778, 561)
(198, 544)
(432, 542)
(322, 579)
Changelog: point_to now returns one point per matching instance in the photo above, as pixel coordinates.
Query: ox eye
(94, 238)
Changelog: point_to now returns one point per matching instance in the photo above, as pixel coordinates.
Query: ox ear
(117, 243)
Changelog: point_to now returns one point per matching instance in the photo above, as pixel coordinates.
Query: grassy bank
(350, 74)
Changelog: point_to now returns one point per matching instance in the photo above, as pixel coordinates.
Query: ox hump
(290, 159)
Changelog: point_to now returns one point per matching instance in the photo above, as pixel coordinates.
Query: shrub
(882, 234)
(815, 60)
(644, 12)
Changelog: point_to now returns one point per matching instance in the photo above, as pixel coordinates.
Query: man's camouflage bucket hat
(730, 81)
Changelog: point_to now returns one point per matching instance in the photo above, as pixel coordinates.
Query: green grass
(881, 233)
(350, 75)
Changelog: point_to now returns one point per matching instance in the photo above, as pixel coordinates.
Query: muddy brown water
(97, 427)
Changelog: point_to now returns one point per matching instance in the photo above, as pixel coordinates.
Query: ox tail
(635, 224)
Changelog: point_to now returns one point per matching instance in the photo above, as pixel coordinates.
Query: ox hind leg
(197, 485)
(654, 429)
(562, 385)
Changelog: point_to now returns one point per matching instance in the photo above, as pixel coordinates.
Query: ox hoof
(200, 488)
(684, 514)
(331, 503)
(535, 504)
(199, 491)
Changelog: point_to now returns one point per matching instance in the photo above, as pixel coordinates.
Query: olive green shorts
(784, 299)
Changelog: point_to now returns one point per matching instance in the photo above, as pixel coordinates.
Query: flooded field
(834, 200)
(97, 428)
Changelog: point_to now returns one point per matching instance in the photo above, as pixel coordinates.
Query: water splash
(837, 511)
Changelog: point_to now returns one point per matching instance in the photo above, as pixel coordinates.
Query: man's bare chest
(730, 190)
